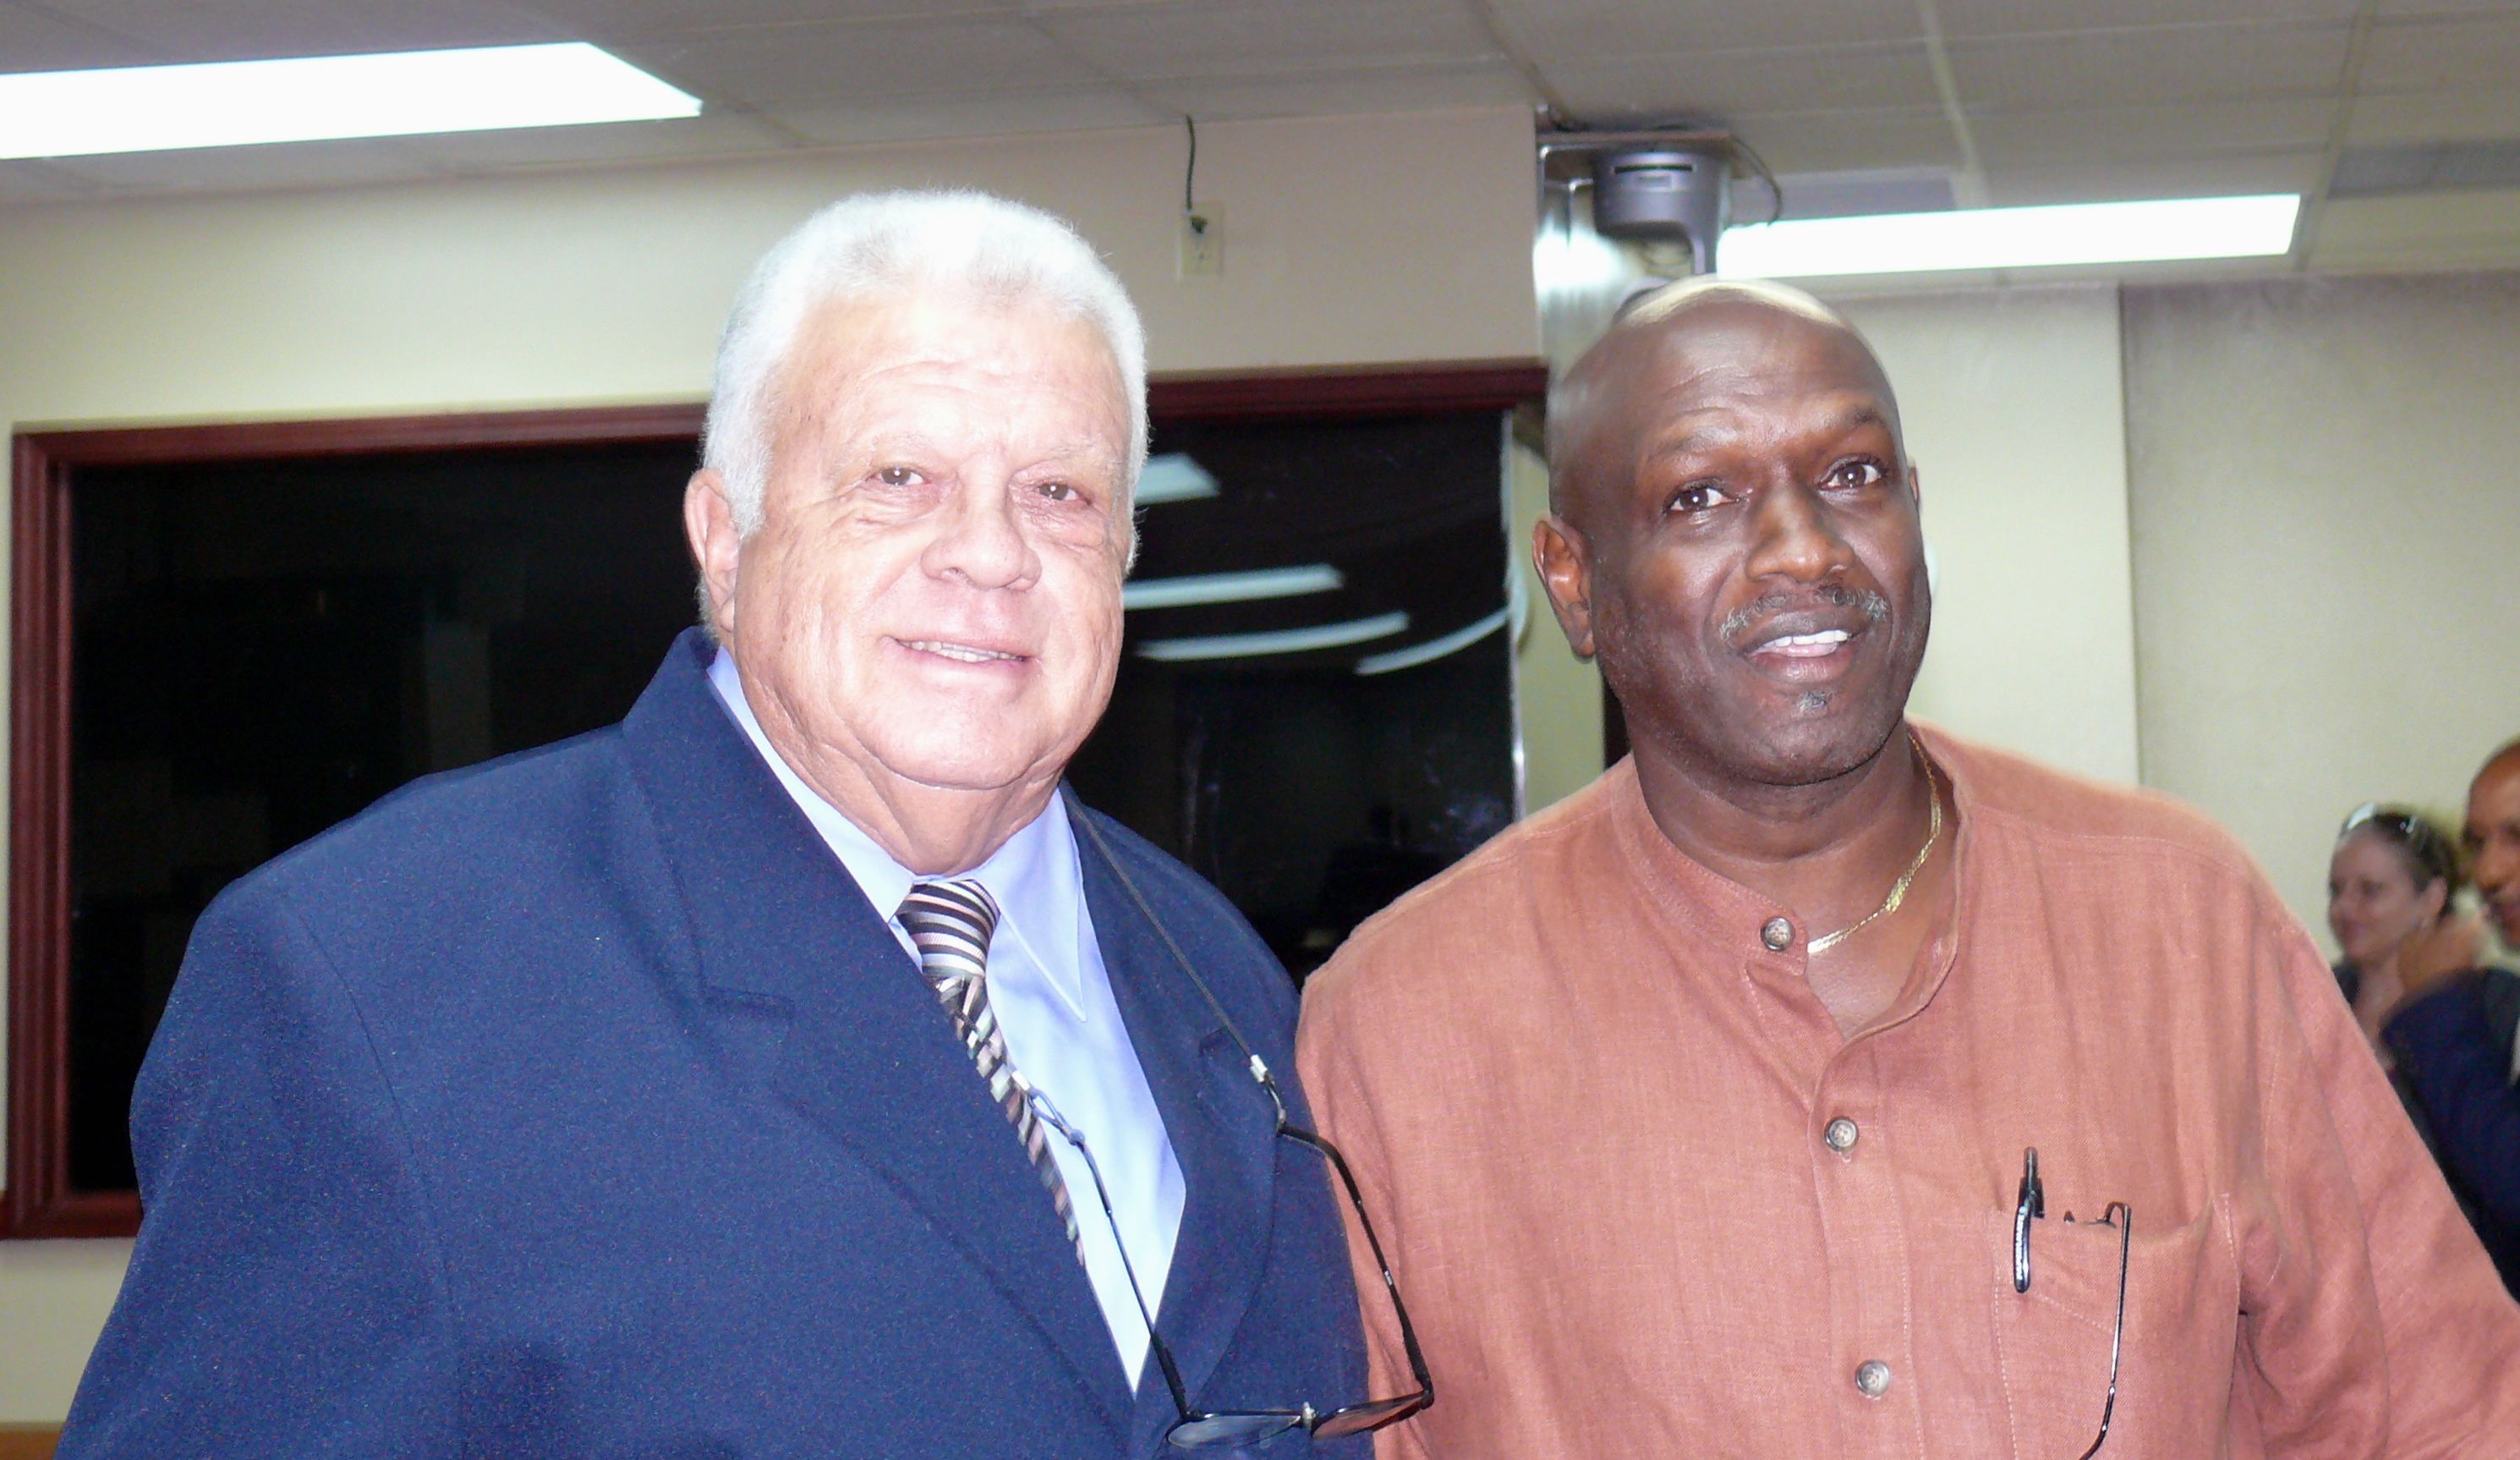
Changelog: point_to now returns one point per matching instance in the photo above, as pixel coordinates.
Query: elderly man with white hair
(795, 1067)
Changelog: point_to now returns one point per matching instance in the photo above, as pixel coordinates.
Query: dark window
(228, 638)
(263, 648)
(1313, 785)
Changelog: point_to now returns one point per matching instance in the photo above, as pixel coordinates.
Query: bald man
(1819, 1083)
(2453, 1033)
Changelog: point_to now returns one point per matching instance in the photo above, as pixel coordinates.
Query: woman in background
(2391, 886)
(2393, 874)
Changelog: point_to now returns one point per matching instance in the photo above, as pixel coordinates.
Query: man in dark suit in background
(792, 1069)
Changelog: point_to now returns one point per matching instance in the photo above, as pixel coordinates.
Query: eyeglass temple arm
(1356, 1197)
(2124, 1217)
(1050, 1116)
(1260, 1074)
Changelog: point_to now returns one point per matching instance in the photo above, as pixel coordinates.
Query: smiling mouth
(963, 654)
(1805, 646)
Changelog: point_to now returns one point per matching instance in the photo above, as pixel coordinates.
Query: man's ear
(708, 522)
(1917, 486)
(1564, 562)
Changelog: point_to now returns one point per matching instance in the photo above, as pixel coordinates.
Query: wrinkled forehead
(1020, 348)
(1010, 334)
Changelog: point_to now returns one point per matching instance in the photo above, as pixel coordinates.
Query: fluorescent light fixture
(1282, 641)
(1231, 587)
(2013, 238)
(304, 98)
(1433, 649)
(1173, 478)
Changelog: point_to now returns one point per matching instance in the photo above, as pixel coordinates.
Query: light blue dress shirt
(1053, 998)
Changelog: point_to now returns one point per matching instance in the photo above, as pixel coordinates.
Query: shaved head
(1595, 395)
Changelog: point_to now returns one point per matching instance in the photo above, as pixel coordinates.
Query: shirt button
(1872, 1379)
(1841, 1135)
(1779, 934)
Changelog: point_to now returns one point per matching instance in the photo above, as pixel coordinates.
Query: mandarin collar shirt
(1052, 995)
(1644, 1199)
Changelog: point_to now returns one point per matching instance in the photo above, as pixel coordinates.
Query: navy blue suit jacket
(2458, 1056)
(579, 1104)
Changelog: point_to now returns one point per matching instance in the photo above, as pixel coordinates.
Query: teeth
(1799, 641)
(962, 652)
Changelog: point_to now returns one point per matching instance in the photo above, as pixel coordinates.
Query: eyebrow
(912, 439)
(1853, 418)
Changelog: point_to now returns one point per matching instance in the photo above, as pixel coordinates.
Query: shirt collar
(1034, 876)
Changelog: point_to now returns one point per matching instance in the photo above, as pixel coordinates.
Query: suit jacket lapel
(1220, 1122)
(870, 1058)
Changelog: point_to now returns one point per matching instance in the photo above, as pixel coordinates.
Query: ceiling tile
(2162, 64)
(2155, 177)
(1964, 19)
(711, 134)
(2031, 139)
(255, 29)
(2434, 117)
(34, 40)
(854, 63)
(913, 118)
(220, 169)
(1231, 37)
(1851, 141)
(2479, 51)
(1321, 94)
(1568, 30)
(1734, 83)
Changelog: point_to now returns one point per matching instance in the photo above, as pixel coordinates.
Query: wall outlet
(1202, 242)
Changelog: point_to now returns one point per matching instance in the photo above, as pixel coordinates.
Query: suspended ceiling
(2408, 111)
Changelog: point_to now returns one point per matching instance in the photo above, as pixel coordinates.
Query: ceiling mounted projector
(1663, 195)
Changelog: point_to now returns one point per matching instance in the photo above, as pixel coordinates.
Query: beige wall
(2327, 548)
(2012, 408)
(1558, 697)
(1381, 238)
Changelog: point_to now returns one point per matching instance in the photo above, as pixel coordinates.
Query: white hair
(878, 244)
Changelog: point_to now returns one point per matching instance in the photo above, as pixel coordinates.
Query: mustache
(1873, 606)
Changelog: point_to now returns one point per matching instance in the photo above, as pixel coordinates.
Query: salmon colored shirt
(1592, 1109)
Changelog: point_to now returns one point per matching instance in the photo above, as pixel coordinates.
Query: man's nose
(980, 537)
(1795, 538)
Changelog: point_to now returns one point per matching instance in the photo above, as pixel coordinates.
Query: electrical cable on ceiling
(1758, 165)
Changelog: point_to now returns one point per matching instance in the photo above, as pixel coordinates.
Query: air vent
(2425, 167)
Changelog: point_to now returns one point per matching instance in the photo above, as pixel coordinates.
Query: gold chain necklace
(1899, 889)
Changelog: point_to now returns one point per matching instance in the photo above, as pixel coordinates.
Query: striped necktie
(950, 923)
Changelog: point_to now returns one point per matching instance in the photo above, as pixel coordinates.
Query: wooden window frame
(40, 1202)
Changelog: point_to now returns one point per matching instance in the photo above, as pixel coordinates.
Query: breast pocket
(2052, 1343)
